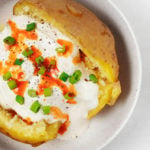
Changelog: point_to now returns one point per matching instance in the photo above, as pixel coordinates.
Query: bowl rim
(137, 48)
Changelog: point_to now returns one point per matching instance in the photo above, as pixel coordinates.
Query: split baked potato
(96, 43)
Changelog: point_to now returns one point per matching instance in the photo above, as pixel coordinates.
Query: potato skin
(95, 41)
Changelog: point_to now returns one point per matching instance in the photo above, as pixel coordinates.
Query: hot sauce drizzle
(68, 47)
(14, 50)
(58, 114)
(47, 80)
(21, 87)
(17, 32)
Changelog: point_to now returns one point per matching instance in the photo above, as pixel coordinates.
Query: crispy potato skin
(95, 41)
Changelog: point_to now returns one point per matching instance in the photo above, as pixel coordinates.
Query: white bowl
(105, 126)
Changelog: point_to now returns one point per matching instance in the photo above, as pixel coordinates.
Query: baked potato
(96, 44)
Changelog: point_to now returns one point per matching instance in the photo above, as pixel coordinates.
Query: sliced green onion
(93, 78)
(47, 92)
(35, 107)
(28, 52)
(75, 77)
(77, 74)
(12, 84)
(61, 49)
(20, 99)
(72, 80)
(7, 76)
(69, 95)
(46, 109)
(19, 62)
(64, 76)
(31, 26)
(9, 40)
(53, 62)
(42, 70)
(39, 60)
(32, 93)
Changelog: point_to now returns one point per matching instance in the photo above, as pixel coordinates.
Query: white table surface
(136, 134)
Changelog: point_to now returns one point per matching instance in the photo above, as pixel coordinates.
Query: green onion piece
(69, 95)
(7, 76)
(19, 62)
(12, 84)
(35, 107)
(28, 52)
(46, 109)
(9, 40)
(72, 80)
(75, 77)
(53, 62)
(77, 74)
(39, 60)
(61, 49)
(20, 99)
(42, 70)
(47, 92)
(32, 93)
(93, 78)
(64, 76)
(31, 26)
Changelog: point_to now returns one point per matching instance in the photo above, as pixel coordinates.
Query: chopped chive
(39, 60)
(69, 95)
(9, 40)
(75, 77)
(28, 52)
(35, 107)
(32, 93)
(30, 26)
(19, 62)
(72, 80)
(12, 84)
(25, 53)
(42, 70)
(20, 99)
(93, 78)
(46, 109)
(7, 76)
(47, 92)
(64, 76)
(61, 49)
(53, 62)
